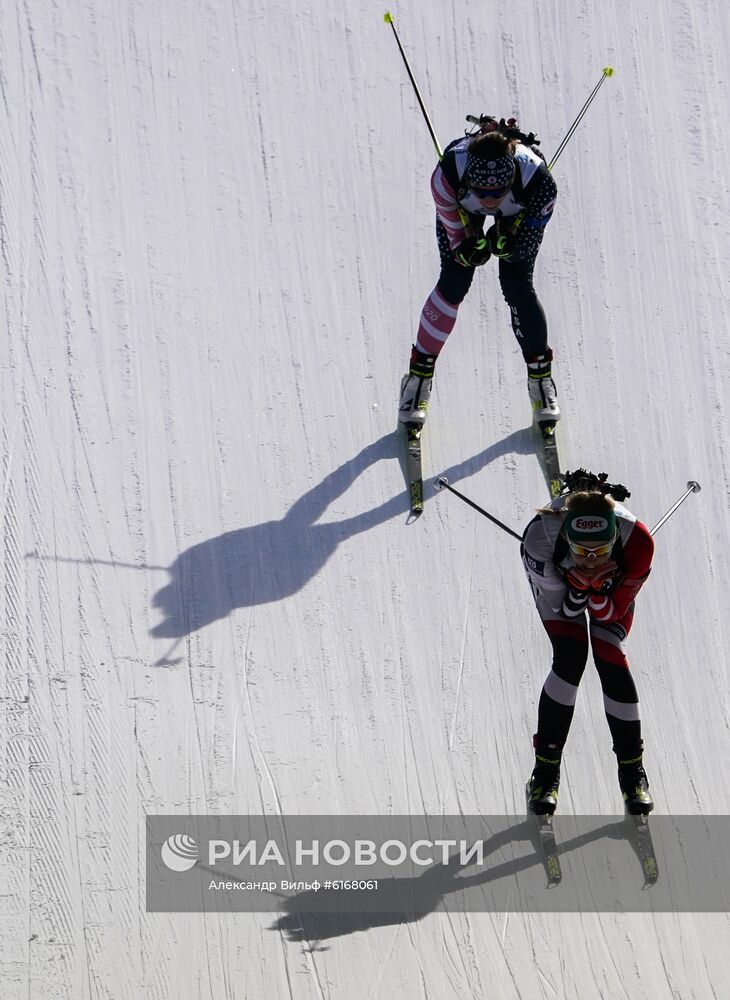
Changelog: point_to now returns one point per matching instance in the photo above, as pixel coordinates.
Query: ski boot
(633, 781)
(541, 387)
(542, 788)
(416, 389)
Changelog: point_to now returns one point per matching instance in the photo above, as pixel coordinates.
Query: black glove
(472, 252)
(500, 240)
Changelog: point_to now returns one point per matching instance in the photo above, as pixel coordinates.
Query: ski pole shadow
(408, 900)
(270, 561)
(520, 442)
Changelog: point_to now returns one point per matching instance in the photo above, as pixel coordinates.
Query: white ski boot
(416, 389)
(540, 385)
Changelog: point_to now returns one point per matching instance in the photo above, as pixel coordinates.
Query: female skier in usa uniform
(487, 177)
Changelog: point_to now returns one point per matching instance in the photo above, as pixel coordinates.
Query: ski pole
(607, 71)
(442, 483)
(692, 487)
(388, 18)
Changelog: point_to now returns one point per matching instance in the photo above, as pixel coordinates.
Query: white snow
(216, 235)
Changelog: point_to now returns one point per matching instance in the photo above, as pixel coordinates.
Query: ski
(645, 847)
(414, 464)
(548, 844)
(549, 457)
(414, 469)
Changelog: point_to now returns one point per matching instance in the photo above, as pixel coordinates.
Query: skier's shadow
(407, 900)
(271, 561)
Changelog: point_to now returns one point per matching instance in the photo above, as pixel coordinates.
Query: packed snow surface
(216, 236)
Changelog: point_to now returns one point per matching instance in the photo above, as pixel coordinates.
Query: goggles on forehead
(590, 551)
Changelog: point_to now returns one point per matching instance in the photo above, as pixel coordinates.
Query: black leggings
(515, 278)
(570, 640)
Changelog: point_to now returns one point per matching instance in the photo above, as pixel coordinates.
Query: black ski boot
(633, 781)
(542, 788)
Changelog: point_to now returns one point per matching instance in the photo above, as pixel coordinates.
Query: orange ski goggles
(591, 551)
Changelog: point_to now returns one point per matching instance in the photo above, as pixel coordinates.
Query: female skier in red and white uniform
(586, 558)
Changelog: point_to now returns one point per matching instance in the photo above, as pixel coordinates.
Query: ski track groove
(99, 729)
(197, 801)
(72, 736)
(385, 962)
(408, 734)
(56, 832)
(46, 833)
(101, 719)
(219, 469)
(258, 754)
(454, 949)
(15, 715)
(462, 657)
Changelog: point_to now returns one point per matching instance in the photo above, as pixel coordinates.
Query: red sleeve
(638, 554)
